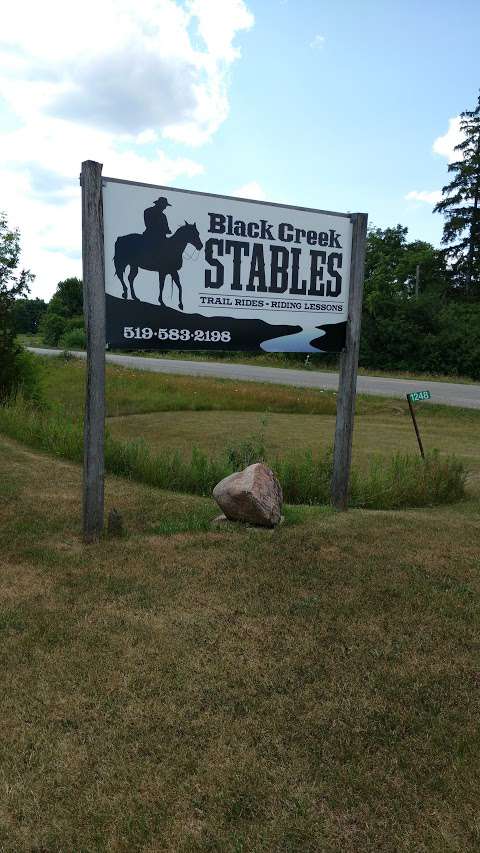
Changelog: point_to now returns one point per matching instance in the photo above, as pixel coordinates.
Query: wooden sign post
(94, 311)
(347, 386)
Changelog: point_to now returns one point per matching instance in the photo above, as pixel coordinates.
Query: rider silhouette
(156, 223)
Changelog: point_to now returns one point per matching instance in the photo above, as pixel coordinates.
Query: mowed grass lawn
(315, 688)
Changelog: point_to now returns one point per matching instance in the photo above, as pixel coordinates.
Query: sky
(347, 106)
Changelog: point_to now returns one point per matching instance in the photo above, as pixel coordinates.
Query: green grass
(191, 451)
(401, 481)
(189, 412)
(314, 688)
(133, 392)
(130, 392)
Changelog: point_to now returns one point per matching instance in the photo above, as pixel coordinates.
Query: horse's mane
(179, 230)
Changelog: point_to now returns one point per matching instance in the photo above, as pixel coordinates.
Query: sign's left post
(94, 311)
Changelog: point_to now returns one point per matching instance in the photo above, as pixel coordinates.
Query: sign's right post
(342, 454)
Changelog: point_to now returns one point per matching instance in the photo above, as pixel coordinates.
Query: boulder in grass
(253, 496)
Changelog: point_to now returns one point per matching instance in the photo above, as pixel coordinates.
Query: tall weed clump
(247, 452)
(28, 379)
(405, 481)
(42, 428)
(168, 470)
(305, 478)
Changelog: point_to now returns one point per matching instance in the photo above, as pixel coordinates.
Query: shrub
(52, 327)
(74, 339)
(423, 334)
(21, 375)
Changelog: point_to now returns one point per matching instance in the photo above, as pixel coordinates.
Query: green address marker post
(415, 397)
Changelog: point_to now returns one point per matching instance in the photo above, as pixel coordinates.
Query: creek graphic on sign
(191, 270)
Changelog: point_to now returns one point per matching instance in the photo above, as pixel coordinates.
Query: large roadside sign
(187, 270)
(171, 269)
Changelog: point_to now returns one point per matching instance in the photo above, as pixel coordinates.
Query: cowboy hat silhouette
(162, 201)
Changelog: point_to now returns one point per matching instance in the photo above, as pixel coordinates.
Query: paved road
(448, 393)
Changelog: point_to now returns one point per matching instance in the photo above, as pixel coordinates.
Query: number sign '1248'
(415, 396)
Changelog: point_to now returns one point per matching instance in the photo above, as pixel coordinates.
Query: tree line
(58, 322)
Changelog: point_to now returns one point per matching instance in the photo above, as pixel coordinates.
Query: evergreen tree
(461, 206)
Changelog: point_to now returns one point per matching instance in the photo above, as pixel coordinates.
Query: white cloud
(317, 42)
(251, 190)
(109, 92)
(153, 64)
(42, 196)
(424, 195)
(218, 24)
(445, 145)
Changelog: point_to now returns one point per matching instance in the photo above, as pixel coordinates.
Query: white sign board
(187, 270)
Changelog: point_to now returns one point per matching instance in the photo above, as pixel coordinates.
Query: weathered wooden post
(94, 311)
(342, 454)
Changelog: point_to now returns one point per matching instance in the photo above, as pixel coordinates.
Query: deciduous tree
(13, 284)
(28, 313)
(391, 264)
(67, 301)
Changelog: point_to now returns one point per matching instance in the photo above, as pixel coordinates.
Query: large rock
(253, 495)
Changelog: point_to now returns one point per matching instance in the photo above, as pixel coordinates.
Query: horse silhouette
(166, 258)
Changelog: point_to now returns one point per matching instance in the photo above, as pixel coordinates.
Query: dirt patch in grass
(313, 689)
